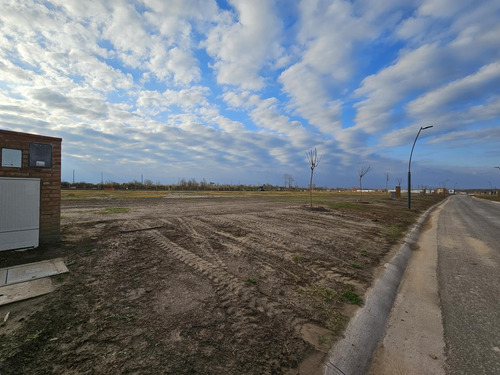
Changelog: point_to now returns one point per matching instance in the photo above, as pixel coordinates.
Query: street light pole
(409, 163)
(499, 170)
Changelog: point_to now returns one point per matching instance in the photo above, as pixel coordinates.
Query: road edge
(352, 355)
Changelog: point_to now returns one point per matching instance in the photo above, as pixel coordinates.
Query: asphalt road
(468, 244)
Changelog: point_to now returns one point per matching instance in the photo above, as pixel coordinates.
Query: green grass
(251, 281)
(59, 277)
(325, 341)
(323, 293)
(335, 320)
(395, 231)
(113, 210)
(297, 258)
(325, 300)
(34, 336)
(355, 265)
(495, 198)
(352, 298)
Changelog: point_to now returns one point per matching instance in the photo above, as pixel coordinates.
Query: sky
(238, 91)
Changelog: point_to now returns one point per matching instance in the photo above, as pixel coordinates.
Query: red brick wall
(50, 179)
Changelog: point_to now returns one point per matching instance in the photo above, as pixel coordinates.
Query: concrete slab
(21, 291)
(33, 271)
(3, 277)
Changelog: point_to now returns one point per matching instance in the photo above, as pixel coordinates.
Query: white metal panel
(19, 212)
(12, 158)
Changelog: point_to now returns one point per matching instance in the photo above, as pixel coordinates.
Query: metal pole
(409, 164)
(409, 189)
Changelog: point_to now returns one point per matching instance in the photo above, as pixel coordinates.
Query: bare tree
(313, 159)
(203, 184)
(386, 181)
(288, 180)
(399, 179)
(362, 171)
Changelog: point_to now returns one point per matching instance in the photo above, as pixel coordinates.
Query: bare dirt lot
(201, 284)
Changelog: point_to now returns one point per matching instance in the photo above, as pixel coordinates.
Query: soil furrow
(236, 295)
(259, 241)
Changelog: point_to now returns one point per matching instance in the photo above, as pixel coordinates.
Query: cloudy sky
(237, 91)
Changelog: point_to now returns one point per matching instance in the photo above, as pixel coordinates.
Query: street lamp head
(427, 127)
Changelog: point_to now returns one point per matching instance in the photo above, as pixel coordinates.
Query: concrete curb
(352, 355)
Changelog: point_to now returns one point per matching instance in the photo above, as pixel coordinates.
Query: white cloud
(413, 72)
(154, 102)
(460, 92)
(328, 50)
(172, 18)
(266, 115)
(481, 136)
(242, 44)
(243, 99)
(126, 30)
(134, 72)
(310, 98)
(487, 111)
(175, 62)
(442, 8)
(330, 34)
(228, 125)
(451, 42)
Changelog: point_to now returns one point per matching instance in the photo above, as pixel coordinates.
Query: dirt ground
(199, 285)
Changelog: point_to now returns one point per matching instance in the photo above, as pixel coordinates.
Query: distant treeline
(183, 185)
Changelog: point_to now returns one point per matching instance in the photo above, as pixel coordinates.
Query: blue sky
(238, 91)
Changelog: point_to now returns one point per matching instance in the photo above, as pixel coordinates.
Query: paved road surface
(469, 284)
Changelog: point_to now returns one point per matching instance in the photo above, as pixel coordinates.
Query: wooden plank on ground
(29, 289)
(31, 271)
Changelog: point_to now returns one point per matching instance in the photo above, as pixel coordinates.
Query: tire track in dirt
(236, 296)
(264, 234)
(287, 225)
(201, 241)
(244, 246)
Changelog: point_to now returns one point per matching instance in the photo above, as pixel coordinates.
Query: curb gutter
(352, 355)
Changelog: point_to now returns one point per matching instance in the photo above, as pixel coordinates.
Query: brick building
(29, 157)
